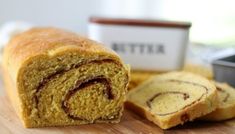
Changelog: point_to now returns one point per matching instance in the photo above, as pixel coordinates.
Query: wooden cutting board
(130, 124)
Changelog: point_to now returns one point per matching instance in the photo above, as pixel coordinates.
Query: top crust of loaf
(46, 41)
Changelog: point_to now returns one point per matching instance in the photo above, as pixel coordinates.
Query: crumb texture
(65, 79)
(174, 98)
(226, 104)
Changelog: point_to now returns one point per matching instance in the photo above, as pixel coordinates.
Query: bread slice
(226, 107)
(58, 78)
(173, 98)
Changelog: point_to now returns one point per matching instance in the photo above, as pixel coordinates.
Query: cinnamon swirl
(58, 78)
(173, 98)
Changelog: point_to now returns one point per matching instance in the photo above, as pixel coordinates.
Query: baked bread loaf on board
(226, 107)
(57, 78)
(173, 98)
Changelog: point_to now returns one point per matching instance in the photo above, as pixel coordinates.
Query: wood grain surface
(130, 124)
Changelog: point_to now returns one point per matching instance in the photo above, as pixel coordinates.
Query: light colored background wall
(69, 14)
(213, 20)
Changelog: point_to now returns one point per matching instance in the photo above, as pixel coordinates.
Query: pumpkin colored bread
(58, 78)
(226, 107)
(173, 98)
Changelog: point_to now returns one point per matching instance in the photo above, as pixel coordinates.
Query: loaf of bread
(226, 107)
(173, 98)
(57, 78)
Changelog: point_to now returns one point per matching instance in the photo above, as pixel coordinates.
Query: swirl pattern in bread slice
(173, 98)
(61, 79)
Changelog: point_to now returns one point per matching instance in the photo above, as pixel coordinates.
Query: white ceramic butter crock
(150, 45)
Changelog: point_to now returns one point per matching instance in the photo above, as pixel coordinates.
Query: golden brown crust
(12, 94)
(45, 41)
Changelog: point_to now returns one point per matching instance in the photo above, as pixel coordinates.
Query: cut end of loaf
(63, 79)
(71, 89)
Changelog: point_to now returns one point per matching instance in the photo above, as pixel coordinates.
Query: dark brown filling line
(185, 95)
(223, 91)
(80, 84)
